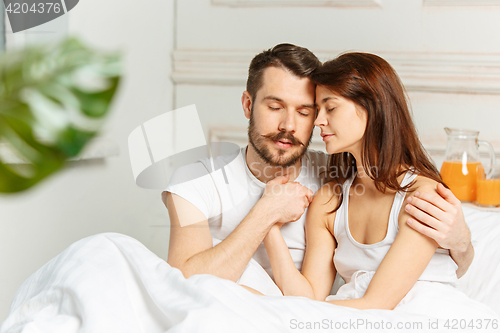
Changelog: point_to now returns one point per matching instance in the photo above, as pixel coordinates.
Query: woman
(356, 224)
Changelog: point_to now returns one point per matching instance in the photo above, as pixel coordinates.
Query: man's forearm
(463, 259)
(229, 258)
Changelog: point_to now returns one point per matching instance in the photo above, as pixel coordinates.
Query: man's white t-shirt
(226, 196)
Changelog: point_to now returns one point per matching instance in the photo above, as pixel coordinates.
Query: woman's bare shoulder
(330, 192)
(325, 201)
(326, 198)
(423, 184)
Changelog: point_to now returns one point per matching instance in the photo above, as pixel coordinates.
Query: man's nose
(288, 122)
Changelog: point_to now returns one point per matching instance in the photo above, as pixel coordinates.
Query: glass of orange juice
(488, 186)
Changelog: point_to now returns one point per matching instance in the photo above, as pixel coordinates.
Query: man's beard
(259, 143)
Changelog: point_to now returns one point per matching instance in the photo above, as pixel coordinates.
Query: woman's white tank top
(352, 256)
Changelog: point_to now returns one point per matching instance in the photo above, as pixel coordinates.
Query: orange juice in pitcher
(461, 179)
(459, 169)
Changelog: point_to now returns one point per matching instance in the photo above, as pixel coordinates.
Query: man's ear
(246, 103)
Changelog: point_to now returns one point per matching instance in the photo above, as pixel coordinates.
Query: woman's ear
(246, 103)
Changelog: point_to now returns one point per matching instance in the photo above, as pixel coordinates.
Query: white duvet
(112, 283)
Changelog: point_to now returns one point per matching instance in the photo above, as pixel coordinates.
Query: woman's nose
(320, 119)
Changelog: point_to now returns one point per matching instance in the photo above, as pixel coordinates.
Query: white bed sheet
(112, 283)
(482, 280)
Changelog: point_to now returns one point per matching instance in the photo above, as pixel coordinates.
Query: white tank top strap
(399, 200)
(339, 225)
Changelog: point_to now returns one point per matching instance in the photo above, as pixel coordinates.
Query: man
(218, 222)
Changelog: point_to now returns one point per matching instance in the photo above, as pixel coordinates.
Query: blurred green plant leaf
(53, 100)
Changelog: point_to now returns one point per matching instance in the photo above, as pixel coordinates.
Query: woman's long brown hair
(390, 144)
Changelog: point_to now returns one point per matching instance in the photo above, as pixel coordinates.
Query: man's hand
(443, 215)
(286, 200)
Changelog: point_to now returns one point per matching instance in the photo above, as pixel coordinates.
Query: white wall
(448, 56)
(98, 196)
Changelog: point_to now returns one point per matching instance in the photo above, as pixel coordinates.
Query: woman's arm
(403, 264)
(318, 271)
(286, 275)
(442, 219)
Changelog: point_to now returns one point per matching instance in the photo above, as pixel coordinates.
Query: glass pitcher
(461, 161)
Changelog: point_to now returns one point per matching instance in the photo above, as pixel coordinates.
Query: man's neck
(266, 172)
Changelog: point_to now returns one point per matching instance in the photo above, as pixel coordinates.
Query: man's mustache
(283, 135)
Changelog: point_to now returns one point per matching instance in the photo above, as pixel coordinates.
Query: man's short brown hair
(295, 59)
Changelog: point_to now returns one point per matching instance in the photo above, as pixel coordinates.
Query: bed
(112, 283)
